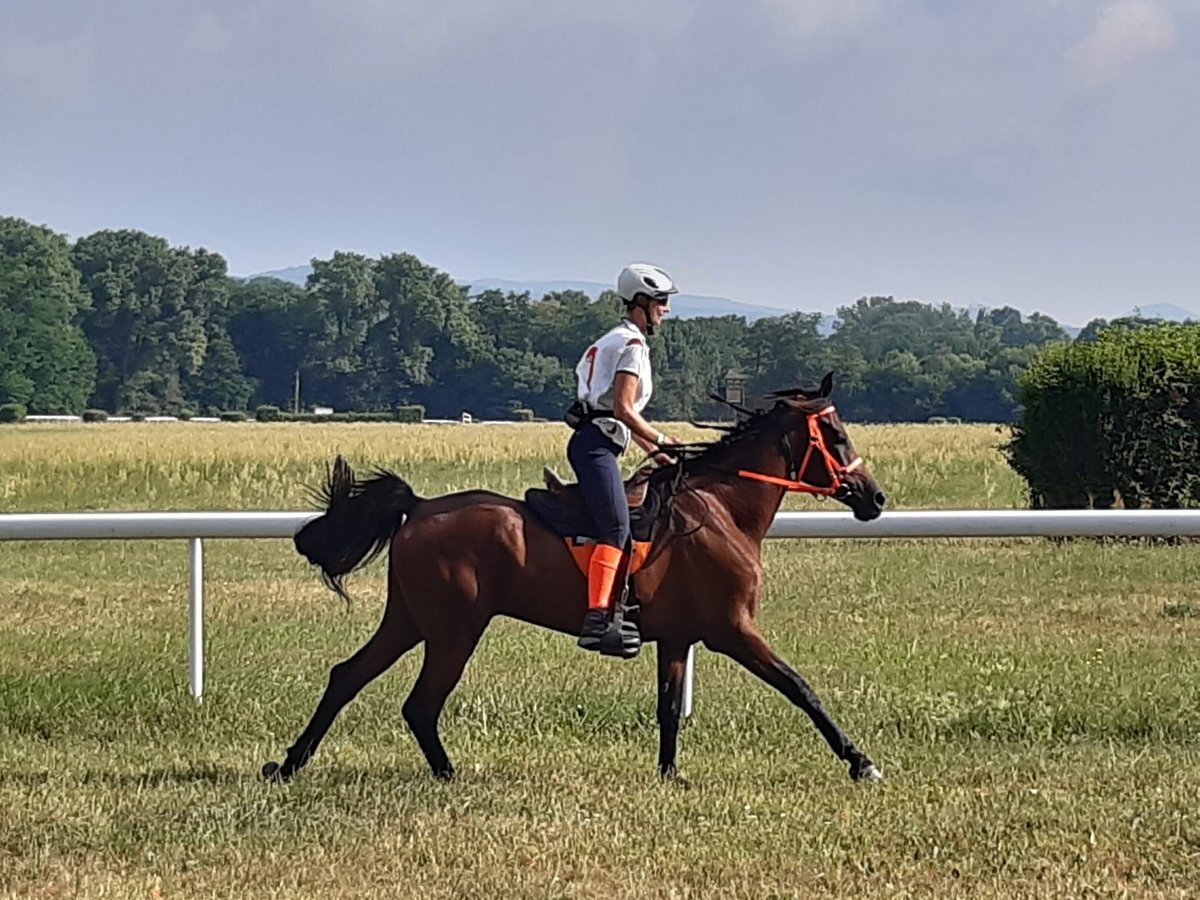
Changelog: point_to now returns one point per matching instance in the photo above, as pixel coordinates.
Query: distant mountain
(692, 306)
(1168, 311)
(294, 274)
(685, 306)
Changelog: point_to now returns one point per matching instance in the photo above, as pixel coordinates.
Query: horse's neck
(752, 504)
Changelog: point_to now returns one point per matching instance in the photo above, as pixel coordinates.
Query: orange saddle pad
(583, 554)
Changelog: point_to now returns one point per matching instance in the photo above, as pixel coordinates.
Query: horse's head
(819, 454)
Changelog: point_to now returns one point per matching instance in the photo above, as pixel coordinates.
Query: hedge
(12, 413)
(1113, 421)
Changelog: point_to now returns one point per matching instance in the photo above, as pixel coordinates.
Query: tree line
(124, 322)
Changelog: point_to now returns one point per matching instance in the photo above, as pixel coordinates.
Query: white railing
(979, 523)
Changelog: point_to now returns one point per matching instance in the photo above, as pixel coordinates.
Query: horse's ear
(826, 386)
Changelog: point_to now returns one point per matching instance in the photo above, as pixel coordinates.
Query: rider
(614, 385)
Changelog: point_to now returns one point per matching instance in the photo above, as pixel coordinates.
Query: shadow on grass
(250, 774)
(151, 778)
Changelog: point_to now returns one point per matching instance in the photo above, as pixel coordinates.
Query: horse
(458, 560)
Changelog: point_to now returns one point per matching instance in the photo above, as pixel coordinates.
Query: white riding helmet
(643, 278)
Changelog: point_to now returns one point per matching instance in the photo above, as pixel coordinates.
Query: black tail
(359, 521)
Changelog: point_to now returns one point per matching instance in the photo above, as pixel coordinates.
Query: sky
(1042, 154)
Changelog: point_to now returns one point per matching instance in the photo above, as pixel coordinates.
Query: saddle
(560, 508)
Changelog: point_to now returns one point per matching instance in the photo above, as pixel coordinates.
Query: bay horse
(456, 561)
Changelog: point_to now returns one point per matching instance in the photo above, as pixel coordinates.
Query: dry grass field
(1035, 704)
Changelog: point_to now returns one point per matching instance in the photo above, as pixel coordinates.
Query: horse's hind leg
(445, 660)
(672, 667)
(744, 644)
(396, 635)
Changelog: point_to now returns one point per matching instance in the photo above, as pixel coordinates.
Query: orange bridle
(836, 471)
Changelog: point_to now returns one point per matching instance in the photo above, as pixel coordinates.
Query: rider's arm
(645, 435)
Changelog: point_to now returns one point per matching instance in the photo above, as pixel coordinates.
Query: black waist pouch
(579, 414)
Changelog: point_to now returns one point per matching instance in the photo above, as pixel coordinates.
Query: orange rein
(816, 441)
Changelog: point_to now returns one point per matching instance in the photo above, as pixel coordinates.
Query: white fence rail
(195, 526)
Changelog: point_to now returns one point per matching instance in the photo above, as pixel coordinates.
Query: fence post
(196, 616)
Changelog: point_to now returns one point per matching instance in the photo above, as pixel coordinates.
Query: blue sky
(1039, 153)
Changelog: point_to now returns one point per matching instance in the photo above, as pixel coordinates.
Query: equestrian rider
(614, 385)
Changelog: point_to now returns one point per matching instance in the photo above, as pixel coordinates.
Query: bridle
(676, 481)
(836, 471)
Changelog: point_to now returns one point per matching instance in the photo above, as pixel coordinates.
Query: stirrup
(621, 637)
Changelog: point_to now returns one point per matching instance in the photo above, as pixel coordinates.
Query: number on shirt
(590, 356)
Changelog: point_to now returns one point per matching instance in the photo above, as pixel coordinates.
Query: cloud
(1126, 33)
(45, 71)
(420, 30)
(207, 34)
(817, 18)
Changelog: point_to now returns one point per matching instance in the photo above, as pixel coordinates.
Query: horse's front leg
(744, 644)
(672, 668)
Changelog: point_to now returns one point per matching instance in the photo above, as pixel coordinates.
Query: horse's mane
(694, 457)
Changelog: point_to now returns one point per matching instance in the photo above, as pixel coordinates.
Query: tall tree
(45, 362)
(279, 331)
(344, 288)
(429, 341)
(149, 320)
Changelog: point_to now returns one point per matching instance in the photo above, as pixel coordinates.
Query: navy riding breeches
(594, 458)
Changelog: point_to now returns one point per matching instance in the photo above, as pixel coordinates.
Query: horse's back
(484, 554)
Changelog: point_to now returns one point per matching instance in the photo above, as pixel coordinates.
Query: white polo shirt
(621, 350)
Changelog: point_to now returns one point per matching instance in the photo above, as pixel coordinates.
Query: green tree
(690, 359)
(877, 326)
(278, 329)
(344, 289)
(506, 317)
(220, 384)
(1007, 328)
(784, 352)
(45, 362)
(149, 322)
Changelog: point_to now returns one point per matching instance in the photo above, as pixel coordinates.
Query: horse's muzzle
(864, 497)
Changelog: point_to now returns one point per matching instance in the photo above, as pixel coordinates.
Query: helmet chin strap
(644, 305)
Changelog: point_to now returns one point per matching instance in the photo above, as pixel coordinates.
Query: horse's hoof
(272, 771)
(869, 773)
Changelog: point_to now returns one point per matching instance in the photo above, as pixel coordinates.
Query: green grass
(1035, 705)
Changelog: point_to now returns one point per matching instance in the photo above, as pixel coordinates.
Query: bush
(95, 415)
(12, 412)
(268, 413)
(410, 414)
(137, 417)
(185, 415)
(1113, 419)
(232, 415)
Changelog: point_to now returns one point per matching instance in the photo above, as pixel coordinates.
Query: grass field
(1035, 704)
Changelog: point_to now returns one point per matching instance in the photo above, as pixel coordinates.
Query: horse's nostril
(880, 499)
